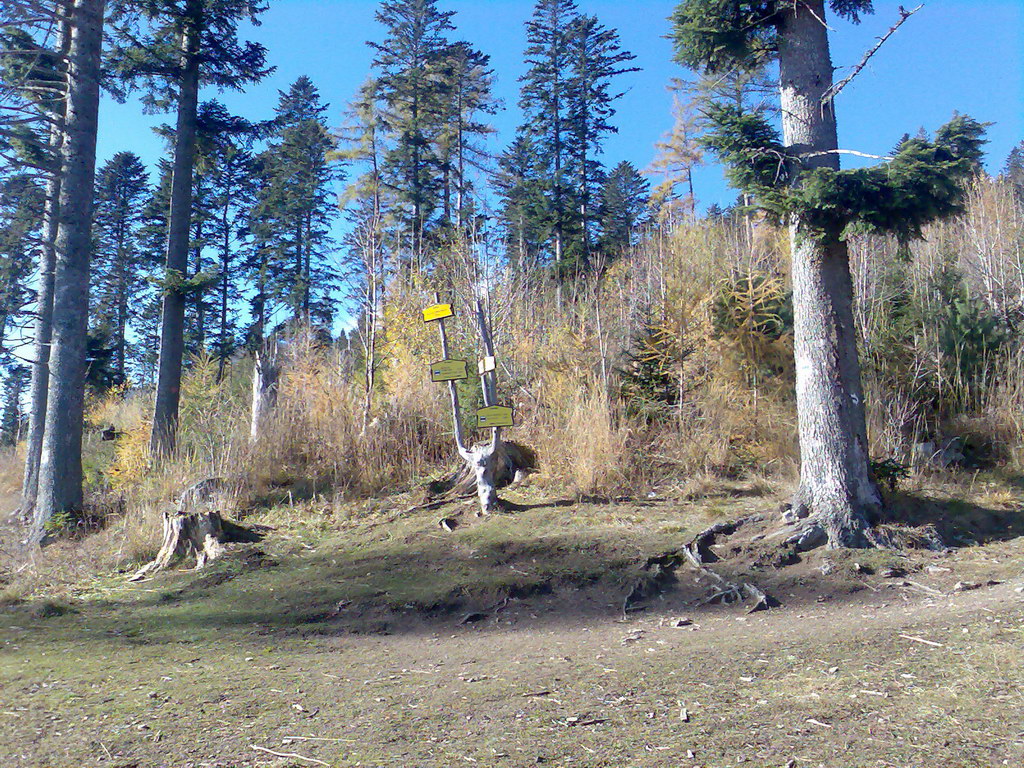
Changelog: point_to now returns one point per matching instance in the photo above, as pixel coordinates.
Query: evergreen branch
(835, 88)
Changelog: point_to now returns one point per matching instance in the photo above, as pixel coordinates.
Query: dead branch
(835, 88)
(292, 755)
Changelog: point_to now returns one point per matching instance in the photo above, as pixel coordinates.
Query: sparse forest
(498, 446)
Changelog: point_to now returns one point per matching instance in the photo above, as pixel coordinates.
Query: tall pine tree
(296, 207)
(171, 49)
(119, 264)
(408, 63)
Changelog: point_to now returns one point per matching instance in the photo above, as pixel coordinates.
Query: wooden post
(460, 441)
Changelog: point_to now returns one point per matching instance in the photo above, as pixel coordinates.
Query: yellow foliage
(131, 458)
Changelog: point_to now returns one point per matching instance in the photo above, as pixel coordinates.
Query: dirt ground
(379, 639)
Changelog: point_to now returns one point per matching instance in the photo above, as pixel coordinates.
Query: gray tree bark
(265, 376)
(43, 330)
(836, 489)
(60, 471)
(172, 326)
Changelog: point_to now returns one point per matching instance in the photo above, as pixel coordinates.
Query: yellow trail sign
(449, 370)
(485, 365)
(437, 312)
(494, 416)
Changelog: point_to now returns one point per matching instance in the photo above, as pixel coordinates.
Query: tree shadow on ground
(958, 522)
(492, 573)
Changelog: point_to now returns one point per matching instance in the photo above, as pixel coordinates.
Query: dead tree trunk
(192, 531)
(265, 376)
(492, 464)
(202, 535)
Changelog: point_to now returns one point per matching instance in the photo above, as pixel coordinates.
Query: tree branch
(835, 88)
(847, 152)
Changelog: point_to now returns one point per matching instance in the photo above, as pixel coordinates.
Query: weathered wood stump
(486, 469)
(200, 533)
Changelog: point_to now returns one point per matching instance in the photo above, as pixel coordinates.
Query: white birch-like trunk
(836, 488)
(265, 377)
(60, 469)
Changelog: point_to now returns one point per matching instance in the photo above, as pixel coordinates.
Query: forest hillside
(376, 435)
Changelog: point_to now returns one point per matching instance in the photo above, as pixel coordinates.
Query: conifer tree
(143, 349)
(60, 470)
(119, 264)
(545, 98)
(623, 207)
(523, 215)
(407, 63)
(22, 202)
(12, 417)
(596, 59)
(34, 84)
(171, 49)
(797, 177)
(296, 206)
(465, 81)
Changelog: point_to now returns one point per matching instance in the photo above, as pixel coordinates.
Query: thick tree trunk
(60, 471)
(172, 328)
(836, 488)
(43, 335)
(44, 304)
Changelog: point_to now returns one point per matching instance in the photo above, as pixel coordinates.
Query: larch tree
(676, 155)
(366, 202)
(797, 178)
(119, 265)
(60, 470)
(172, 48)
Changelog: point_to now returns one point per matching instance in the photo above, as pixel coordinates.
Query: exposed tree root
(698, 552)
(659, 572)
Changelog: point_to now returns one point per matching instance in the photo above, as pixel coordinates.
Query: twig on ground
(922, 640)
(292, 755)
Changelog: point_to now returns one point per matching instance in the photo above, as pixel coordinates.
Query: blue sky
(952, 55)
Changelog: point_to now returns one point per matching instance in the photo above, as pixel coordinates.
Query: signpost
(449, 370)
(437, 312)
(486, 459)
(494, 416)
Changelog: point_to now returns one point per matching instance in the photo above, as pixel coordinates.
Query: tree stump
(201, 534)
(486, 469)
